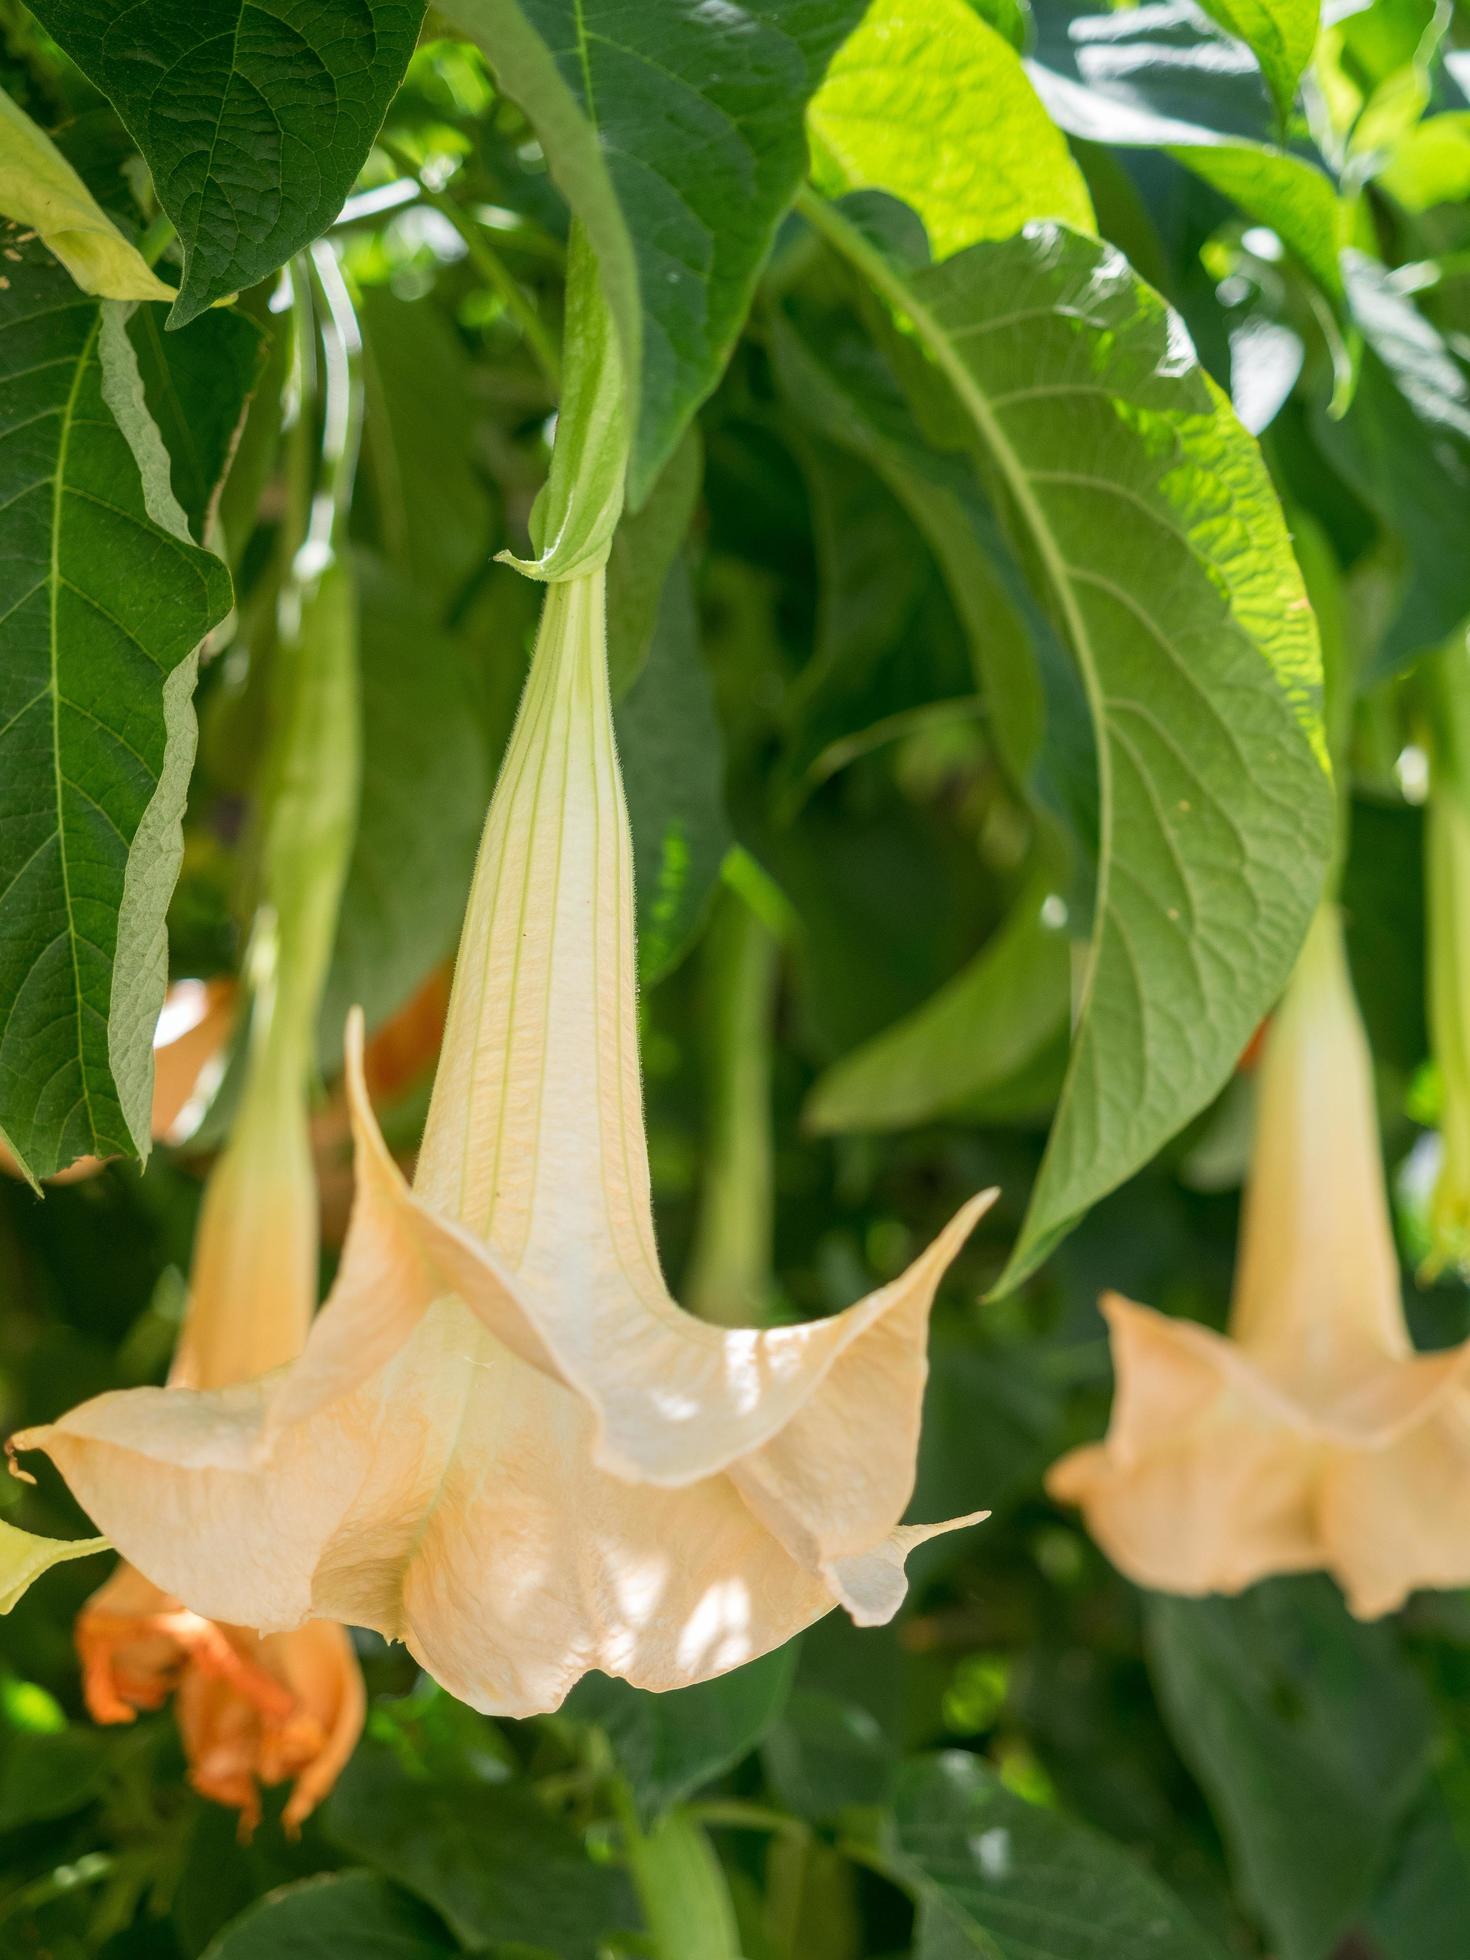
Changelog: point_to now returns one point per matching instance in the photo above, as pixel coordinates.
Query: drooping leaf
(1310, 1734)
(1280, 33)
(668, 1746)
(434, 516)
(674, 777)
(105, 601)
(425, 784)
(676, 135)
(332, 1915)
(1161, 550)
(197, 384)
(497, 1866)
(997, 1877)
(40, 190)
(254, 121)
(928, 102)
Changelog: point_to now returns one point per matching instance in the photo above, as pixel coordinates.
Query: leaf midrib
(58, 494)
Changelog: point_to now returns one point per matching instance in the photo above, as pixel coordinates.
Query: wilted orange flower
(1312, 1436)
(505, 1444)
(252, 1709)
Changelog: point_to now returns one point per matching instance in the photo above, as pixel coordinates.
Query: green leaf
(969, 1040)
(826, 1756)
(1311, 1736)
(998, 1878)
(254, 121)
(24, 1556)
(1160, 547)
(498, 1867)
(644, 548)
(197, 384)
(674, 776)
(48, 1776)
(425, 784)
(105, 601)
(668, 1746)
(1163, 77)
(330, 1916)
(676, 135)
(1406, 450)
(681, 1885)
(1281, 34)
(928, 102)
(434, 515)
(40, 190)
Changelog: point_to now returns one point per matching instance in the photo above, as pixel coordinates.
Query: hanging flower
(1312, 1437)
(505, 1444)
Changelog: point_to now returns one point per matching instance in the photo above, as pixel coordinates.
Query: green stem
(729, 1278)
(687, 1910)
(489, 264)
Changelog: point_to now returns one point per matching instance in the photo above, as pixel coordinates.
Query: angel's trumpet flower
(505, 1444)
(1313, 1436)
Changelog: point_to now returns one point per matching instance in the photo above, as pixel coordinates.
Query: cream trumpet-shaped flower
(505, 1444)
(1313, 1436)
(251, 1709)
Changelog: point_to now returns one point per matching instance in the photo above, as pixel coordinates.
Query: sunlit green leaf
(1281, 34)
(39, 189)
(928, 102)
(1161, 548)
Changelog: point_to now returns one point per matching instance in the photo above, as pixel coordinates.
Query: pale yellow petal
(1398, 1518)
(1207, 1479)
(39, 188)
(872, 1585)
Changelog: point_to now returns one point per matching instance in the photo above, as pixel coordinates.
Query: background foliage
(930, 680)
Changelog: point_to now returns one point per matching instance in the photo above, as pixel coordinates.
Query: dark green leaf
(435, 518)
(253, 120)
(1310, 1735)
(425, 786)
(105, 601)
(674, 772)
(669, 1746)
(826, 1756)
(330, 1917)
(644, 548)
(1406, 449)
(997, 1877)
(1164, 77)
(197, 384)
(677, 137)
(499, 1867)
(48, 1775)
(1162, 550)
